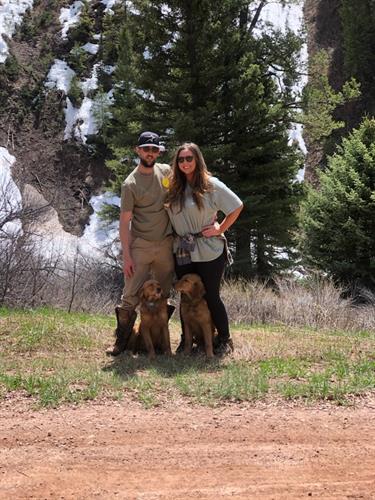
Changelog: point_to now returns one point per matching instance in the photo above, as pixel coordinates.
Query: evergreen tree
(321, 100)
(254, 155)
(85, 28)
(358, 44)
(358, 25)
(111, 31)
(121, 134)
(337, 221)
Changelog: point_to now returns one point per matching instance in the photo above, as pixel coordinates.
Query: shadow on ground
(127, 365)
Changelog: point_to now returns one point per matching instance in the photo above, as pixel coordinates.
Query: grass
(56, 358)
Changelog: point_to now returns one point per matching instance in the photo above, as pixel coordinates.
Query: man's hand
(128, 267)
(212, 230)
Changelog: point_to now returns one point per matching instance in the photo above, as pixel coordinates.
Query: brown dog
(153, 328)
(195, 314)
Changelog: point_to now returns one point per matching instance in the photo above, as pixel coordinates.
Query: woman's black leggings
(211, 273)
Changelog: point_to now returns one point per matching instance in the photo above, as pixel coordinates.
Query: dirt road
(119, 450)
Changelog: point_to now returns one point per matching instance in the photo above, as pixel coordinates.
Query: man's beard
(147, 165)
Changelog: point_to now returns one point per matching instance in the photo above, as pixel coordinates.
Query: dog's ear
(199, 289)
(141, 293)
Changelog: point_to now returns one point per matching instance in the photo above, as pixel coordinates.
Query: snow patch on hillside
(109, 4)
(59, 76)
(11, 14)
(283, 18)
(10, 196)
(69, 16)
(87, 119)
(84, 120)
(80, 122)
(91, 48)
(53, 241)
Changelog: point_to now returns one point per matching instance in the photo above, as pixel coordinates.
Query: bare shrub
(87, 284)
(34, 272)
(315, 303)
(24, 272)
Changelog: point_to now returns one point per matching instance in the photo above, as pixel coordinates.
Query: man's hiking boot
(125, 323)
(222, 347)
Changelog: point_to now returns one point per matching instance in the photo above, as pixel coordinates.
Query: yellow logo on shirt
(165, 182)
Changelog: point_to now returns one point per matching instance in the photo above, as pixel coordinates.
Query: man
(145, 234)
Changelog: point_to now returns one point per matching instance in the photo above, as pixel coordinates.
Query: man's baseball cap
(150, 139)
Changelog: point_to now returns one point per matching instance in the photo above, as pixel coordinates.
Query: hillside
(64, 171)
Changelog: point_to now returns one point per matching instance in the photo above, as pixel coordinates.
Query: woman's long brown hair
(200, 184)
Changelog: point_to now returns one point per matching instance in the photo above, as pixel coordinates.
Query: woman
(194, 199)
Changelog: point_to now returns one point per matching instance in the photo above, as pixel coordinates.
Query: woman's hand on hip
(212, 230)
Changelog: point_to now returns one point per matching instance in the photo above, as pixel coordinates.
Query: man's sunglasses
(181, 159)
(150, 149)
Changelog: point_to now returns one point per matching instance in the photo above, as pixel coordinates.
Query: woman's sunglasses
(181, 159)
(150, 149)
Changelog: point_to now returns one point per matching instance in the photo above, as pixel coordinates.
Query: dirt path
(119, 450)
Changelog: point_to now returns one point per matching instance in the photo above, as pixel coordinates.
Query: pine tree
(111, 30)
(121, 134)
(85, 28)
(337, 221)
(254, 155)
(321, 100)
(358, 26)
(358, 46)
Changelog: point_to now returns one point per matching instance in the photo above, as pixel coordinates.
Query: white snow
(10, 196)
(283, 18)
(98, 232)
(85, 120)
(69, 16)
(11, 13)
(60, 76)
(91, 48)
(90, 83)
(81, 122)
(54, 241)
(109, 4)
(70, 118)
(6, 162)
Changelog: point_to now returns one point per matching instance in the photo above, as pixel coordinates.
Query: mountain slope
(64, 171)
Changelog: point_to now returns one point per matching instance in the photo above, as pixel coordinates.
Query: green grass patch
(55, 358)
